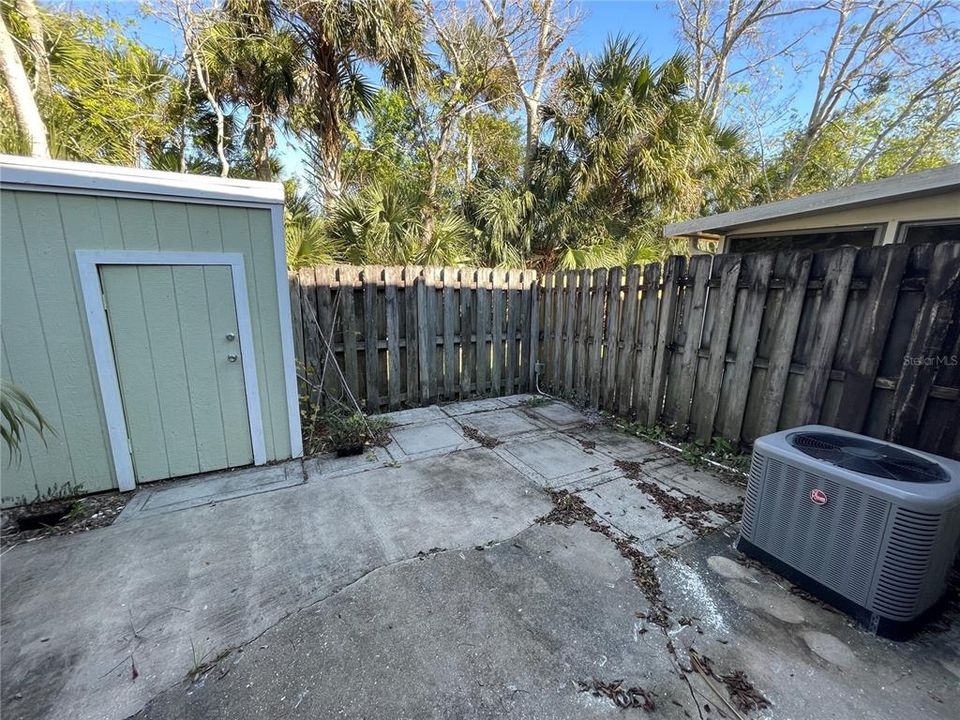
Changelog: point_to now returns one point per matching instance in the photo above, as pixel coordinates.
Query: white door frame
(88, 262)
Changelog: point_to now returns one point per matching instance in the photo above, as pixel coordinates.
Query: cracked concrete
(168, 588)
(414, 582)
(461, 634)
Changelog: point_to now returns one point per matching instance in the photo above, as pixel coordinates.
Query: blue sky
(651, 21)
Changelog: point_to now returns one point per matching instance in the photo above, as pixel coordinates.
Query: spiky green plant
(18, 412)
(384, 223)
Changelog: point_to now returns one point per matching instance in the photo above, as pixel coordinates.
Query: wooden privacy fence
(739, 346)
(410, 336)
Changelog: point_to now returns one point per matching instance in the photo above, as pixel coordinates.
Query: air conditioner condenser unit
(870, 527)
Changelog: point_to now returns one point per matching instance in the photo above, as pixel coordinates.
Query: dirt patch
(342, 433)
(60, 517)
(624, 698)
(486, 440)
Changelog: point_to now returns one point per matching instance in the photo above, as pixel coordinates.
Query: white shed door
(177, 353)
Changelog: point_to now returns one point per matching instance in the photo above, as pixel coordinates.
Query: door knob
(231, 336)
(231, 358)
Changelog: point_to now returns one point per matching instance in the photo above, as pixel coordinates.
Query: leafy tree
(857, 147)
(384, 149)
(472, 76)
(530, 34)
(308, 239)
(109, 95)
(29, 128)
(255, 64)
(857, 51)
(488, 143)
(501, 214)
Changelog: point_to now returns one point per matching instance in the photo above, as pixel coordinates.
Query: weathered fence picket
(737, 347)
(867, 340)
(408, 336)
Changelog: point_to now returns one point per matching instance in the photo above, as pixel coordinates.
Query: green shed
(148, 316)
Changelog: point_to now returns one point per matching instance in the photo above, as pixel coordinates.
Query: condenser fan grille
(867, 457)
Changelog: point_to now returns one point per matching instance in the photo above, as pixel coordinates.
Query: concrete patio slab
(414, 415)
(421, 440)
(508, 631)
(554, 461)
(558, 414)
(164, 592)
(618, 445)
(636, 514)
(473, 406)
(421, 584)
(501, 423)
(809, 660)
(211, 489)
(505, 632)
(515, 400)
(664, 466)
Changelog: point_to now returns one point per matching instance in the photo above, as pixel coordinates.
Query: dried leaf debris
(622, 697)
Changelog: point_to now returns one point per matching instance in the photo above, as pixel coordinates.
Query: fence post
(468, 363)
(533, 333)
(756, 271)
(450, 313)
(796, 273)
(690, 329)
(411, 281)
(609, 387)
(598, 301)
(885, 266)
(707, 393)
(647, 343)
(391, 279)
(833, 302)
(628, 343)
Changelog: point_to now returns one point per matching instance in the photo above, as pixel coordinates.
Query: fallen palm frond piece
(630, 697)
(701, 665)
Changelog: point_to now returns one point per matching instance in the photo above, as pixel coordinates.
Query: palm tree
(501, 213)
(338, 37)
(384, 223)
(628, 150)
(255, 64)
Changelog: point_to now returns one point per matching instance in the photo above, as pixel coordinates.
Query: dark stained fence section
(411, 336)
(740, 346)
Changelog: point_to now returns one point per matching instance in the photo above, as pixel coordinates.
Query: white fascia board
(927, 182)
(25, 173)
